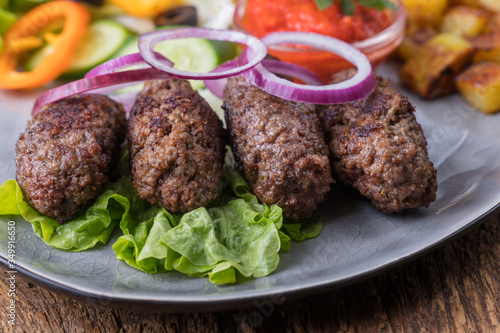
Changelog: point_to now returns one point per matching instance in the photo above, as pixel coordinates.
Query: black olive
(94, 2)
(184, 15)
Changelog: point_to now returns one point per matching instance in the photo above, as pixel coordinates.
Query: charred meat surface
(377, 146)
(66, 153)
(279, 147)
(176, 146)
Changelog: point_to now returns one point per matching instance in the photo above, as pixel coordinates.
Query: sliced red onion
(292, 70)
(359, 86)
(248, 64)
(116, 64)
(127, 100)
(217, 86)
(114, 80)
(274, 66)
(148, 41)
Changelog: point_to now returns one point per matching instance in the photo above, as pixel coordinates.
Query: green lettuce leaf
(140, 247)
(238, 237)
(309, 228)
(84, 231)
(235, 237)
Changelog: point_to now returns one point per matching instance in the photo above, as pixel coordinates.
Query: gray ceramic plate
(356, 241)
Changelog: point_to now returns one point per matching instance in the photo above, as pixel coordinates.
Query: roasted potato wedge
(413, 41)
(431, 71)
(480, 86)
(487, 47)
(465, 21)
(422, 13)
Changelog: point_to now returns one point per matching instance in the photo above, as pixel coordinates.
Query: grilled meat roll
(279, 147)
(66, 153)
(176, 146)
(378, 147)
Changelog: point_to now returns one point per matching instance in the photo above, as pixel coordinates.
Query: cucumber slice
(189, 54)
(130, 46)
(225, 50)
(99, 44)
(101, 41)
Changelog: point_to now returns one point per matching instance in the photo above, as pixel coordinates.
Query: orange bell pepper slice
(23, 36)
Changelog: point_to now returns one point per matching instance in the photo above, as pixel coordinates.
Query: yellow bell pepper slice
(143, 8)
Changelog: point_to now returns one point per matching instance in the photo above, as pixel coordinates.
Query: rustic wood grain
(455, 288)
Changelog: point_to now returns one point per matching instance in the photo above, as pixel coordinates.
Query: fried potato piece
(465, 21)
(431, 71)
(480, 86)
(422, 13)
(487, 47)
(413, 41)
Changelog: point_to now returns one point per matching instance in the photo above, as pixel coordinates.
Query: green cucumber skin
(120, 52)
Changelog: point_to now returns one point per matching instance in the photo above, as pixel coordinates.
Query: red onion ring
(217, 86)
(254, 70)
(98, 82)
(274, 66)
(359, 86)
(148, 41)
(114, 65)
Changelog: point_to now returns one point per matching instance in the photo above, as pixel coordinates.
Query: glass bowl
(324, 63)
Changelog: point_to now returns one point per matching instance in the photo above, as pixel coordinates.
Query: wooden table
(454, 288)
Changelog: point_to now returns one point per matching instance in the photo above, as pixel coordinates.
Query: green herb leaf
(322, 4)
(379, 4)
(347, 7)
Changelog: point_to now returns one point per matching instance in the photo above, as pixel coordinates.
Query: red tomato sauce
(263, 17)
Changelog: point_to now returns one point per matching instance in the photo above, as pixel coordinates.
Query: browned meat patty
(377, 146)
(65, 155)
(176, 146)
(279, 147)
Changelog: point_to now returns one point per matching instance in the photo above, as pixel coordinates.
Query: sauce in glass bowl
(375, 32)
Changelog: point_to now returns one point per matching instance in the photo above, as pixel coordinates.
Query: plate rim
(230, 302)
